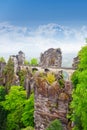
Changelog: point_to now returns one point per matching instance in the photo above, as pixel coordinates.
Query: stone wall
(51, 102)
(51, 58)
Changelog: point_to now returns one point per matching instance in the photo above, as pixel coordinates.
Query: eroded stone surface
(75, 62)
(18, 60)
(2, 66)
(51, 102)
(51, 58)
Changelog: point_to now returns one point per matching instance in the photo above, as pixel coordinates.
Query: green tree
(3, 112)
(28, 112)
(22, 74)
(2, 59)
(28, 128)
(79, 102)
(14, 103)
(83, 58)
(26, 62)
(34, 62)
(8, 74)
(55, 125)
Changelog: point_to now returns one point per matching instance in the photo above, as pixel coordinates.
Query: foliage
(34, 62)
(28, 128)
(9, 74)
(2, 59)
(50, 78)
(22, 74)
(3, 112)
(2, 93)
(20, 110)
(79, 102)
(28, 114)
(14, 103)
(61, 83)
(26, 62)
(83, 58)
(55, 125)
(74, 78)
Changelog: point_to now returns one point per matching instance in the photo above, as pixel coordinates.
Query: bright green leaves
(79, 105)
(79, 102)
(27, 116)
(15, 98)
(26, 62)
(2, 59)
(28, 128)
(83, 58)
(14, 103)
(34, 62)
(20, 110)
(50, 78)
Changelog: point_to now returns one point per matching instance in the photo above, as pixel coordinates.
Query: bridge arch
(65, 75)
(68, 71)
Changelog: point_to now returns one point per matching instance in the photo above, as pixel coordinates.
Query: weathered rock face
(2, 66)
(51, 57)
(18, 60)
(75, 62)
(51, 102)
(15, 61)
(21, 58)
(2, 79)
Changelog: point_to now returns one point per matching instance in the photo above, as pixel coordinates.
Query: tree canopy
(2, 59)
(20, 110)
(79, 102)
(34, 62)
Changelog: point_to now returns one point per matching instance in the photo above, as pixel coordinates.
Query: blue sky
(73, 12)
(36, 25)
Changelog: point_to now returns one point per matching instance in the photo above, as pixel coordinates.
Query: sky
(33, 26)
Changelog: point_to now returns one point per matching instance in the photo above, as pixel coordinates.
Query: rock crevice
(51, 102)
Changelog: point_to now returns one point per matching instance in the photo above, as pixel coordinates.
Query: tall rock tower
(18, 60)
(51, 58)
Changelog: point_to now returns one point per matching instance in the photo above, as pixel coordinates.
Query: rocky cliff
(18, 60)
(51, 102)
(75, 62)
(51, 58)
(2, 66)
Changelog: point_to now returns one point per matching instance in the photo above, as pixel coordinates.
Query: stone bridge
(67, 72)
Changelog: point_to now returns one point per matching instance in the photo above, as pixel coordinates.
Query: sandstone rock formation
(18, 60)
(51, 58)
(2, 66)
(51, 102)
(75, 62)
(21, 58)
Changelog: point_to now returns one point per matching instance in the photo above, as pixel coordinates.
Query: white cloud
(34, 41)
